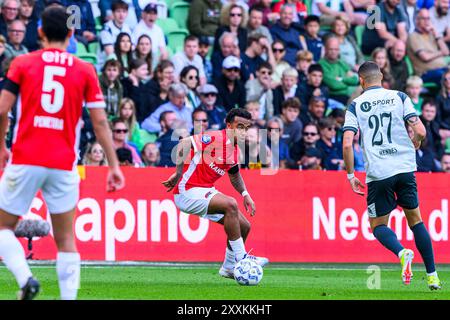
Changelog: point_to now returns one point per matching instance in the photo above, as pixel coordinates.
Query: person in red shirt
(50, 86)
(201, 160)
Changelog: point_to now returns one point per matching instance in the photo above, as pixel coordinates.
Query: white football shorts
(196, 201)
(20, 183)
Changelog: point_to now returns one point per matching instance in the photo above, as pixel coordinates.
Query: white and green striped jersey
(380, 116)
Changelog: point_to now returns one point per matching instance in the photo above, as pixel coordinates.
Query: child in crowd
(414, 86)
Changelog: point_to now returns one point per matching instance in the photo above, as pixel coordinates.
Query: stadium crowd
(178, 66)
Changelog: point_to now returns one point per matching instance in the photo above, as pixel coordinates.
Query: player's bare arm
(419, 130)
(183, 150)
(7, 101)
(239, 185)
(115, 180)
(347, 148)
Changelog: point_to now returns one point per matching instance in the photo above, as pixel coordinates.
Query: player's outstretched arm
(115, 180)
(183, 150)
(347, 150)
(239, 185)
(7, 101)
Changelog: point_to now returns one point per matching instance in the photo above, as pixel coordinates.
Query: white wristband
(350, 176)
(245, 193)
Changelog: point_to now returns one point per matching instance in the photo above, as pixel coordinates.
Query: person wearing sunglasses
(331, 149)
(9, 13)
(310, 136)
(120, 130)
(233, 18)
(279, 52)
(200, 121)
(190, 77)
(230, 86)
(16, 35)
(216, 113)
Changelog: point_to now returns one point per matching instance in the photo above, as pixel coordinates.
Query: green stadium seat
(308, 4)
(358, 35)
(179, 11)
(169, 52)
(98, 25)
(88, 57)
(171, 2)
(409, 65)
(175, 39)
(447, 145)
(81, 48)
(167, 25)
(93, 47)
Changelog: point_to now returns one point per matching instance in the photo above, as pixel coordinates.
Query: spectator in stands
(255, 23)
(123, 52)
(112, 88)
(357, 10)
(303, 60)
(440, 19)
(168, 141)
(428, 117)
(311, 160)
(233, 18)
(251, 59)
(228, 47)
(254, 155)
(300, 10)
(380, 57)
(143, 50)
(443, 111)
(390, 28)
(328, 11)
(150, 155)
(31, 41)
(269, 17)
(331, 150)
(94, 155)
(119, 133)
(338, 115)
(2, 58)
(9, 13)
(216, 113)
(254, 108)
(189, 57)
(16, 35)
(200, 121)
(166, 121)
(338, 77)
(114, 27)
(134, 88)
(349, 50)
(231, 88)
(287, 89)
(204, 17)
(260, 89)
(427, 49)
(424, 156)
(316, 110)
(148, 26)
(310, 136)
(125, 157)
(158, 87)
(445, 163)
(279, 52)
(283, 30)
(127, 113)
(190, 77)
(134, 11)
(279, 150)
(312, 87)
(410, 10)
(203, 52)
(414, 86)
(311, 40)
(358, 154)
(85, 33)
(177, 97)
(399, 67)
(292, 131)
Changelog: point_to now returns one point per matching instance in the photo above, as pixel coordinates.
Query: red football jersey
(212, 155)
(53, 85)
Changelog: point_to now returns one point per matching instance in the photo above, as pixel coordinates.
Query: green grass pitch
(202, 282)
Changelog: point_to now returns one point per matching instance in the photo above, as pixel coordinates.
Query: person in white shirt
(189, 57)
(147, 26)
(440, 19)
(115, 26)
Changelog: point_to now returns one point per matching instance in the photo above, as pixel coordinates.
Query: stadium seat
(98, 25)
(167, 25)
(88, 57)
(308, 4)
(175, 39)
(81, 48)
(409, 65)
(162, 9)
(93, 47)
(179, 11)
(358, 35)
(447, 145)
(171, 2)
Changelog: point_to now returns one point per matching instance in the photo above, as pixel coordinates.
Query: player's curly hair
(237, 112)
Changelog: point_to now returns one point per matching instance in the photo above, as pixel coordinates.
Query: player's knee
(232, 206)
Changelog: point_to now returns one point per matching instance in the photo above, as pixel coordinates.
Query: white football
(247, 272)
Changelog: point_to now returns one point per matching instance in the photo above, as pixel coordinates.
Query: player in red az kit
(50, 86)
(201, 160)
